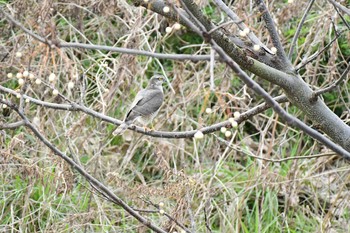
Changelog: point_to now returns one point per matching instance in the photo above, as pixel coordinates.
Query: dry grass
(196, 179)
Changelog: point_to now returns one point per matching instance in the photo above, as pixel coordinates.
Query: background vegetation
(251, 181)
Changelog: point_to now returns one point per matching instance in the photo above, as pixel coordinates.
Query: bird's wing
(139, 96)
(148, 102)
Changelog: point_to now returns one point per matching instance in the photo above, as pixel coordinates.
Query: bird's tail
(121, 128)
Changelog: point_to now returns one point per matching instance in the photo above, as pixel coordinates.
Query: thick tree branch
(290, 120)
(238, 55)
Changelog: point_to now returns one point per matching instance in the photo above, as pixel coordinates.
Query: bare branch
(290, 120)
(61, 44)
(238, 55)
(296, 35)
(274, 160)
(314, 56)
(273, 33)
(340, 7)
(333, 86)
(12, 125)
(97, 184)
(241, 25)
(162, 134)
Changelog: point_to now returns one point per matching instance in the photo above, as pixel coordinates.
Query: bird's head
(156, 81)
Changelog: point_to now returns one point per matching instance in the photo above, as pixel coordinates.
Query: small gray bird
(145, 106)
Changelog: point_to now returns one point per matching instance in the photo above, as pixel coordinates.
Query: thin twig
(13, 125)
(273, 160)
(96, 184)
(107, 48)
(314, 56)
(315, 94)
(340, 7)
(296, 35)
(342, 18)
(167, 215)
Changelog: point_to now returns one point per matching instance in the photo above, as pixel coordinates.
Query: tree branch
(333, 86)
(296, 35)
(61, 44)
(162, 134)
(97, 184)
(340, 7)
(274, 34)
(13, 125)
(290, 120)
(241, 25)
(314, 56)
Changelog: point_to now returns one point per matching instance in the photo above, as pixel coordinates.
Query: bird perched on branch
(145, 106)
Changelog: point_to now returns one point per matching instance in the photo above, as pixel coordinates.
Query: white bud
(25, 73)
(52, 77)
(161, 204)
(182, 231)
(31, 76)
(168, 29)
(231, 119)
(55, 92)
(106, 90)
(273, 50)
(161, 211)
(36, 121)
(19, 75)
(104, 64)
(223, 129)
(198, 135)
(4, 106)
(166, 9)
(236, 115)
(18, 54)
(228, 134)
(10, 75)
(208, 110)
(27, 100)
(20, 81)
(70, 85)
(145, 1)
(234, 124)
(290, 1)
(256, 47)
(38, 81)
(18, 96)
(246, 30)
(177, 26)
(242, 33)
